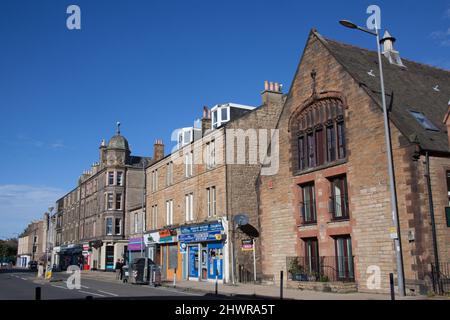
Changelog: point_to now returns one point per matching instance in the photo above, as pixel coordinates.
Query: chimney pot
(276, 87)
(266, 85)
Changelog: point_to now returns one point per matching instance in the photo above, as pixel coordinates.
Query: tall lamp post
(394, 207)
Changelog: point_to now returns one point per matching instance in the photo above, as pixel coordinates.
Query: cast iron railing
(323, 269)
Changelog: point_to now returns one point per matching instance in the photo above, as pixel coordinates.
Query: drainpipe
(433, 224)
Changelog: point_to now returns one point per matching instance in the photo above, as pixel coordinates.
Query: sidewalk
(268, 291)
(273, 292)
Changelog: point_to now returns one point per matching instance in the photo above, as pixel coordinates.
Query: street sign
(247, 245)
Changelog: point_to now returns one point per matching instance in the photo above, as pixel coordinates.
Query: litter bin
(126, 273)
(155, 275)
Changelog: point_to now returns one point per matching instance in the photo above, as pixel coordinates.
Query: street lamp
(394, 208)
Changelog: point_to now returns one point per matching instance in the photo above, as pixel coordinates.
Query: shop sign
(151, 238)
(200, 237)
(202, 228)
(135, 244)
(183, 247)
(166, 236)
(247, 245)
(96, 244)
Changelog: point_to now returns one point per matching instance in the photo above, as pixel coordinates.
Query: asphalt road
(20, 285)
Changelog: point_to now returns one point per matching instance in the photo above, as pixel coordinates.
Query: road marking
(24, 279)
(96, 294)
(85, 287)
(177, 291)
(113, 294)
(61, 287)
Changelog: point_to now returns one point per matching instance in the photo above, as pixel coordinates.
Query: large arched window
(318, 134)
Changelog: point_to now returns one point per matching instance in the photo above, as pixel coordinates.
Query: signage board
(202, 228)
(247, 245)
(135, 244)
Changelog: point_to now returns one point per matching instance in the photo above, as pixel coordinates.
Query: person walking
(121, 269)
(117, 268)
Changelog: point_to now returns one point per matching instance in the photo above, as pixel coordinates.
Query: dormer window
(188, 135)
(220, 115)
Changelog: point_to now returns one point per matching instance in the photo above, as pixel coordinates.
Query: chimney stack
(158, 150)
(103, 151)
(206, 120)
(272, 92)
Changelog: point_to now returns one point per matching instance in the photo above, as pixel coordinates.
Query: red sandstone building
(325, 216)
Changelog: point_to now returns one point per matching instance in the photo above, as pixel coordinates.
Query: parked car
(33, 265)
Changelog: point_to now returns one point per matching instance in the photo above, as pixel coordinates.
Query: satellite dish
(240, 219)
(249, 230)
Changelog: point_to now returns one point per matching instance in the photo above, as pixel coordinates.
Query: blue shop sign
(201, 233)
(201, 228)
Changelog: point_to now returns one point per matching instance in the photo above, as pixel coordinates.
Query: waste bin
(126, 273)
(155, 275)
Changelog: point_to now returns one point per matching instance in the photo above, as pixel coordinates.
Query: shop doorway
(109, 258)
(204, 262)
(193, 261)
(215, 261)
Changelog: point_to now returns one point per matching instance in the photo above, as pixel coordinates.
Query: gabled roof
(407, 89)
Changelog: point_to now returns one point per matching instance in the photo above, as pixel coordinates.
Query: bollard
(217, 282)
(37, 293)
(391, 282)
(175, 278)
(281, 284)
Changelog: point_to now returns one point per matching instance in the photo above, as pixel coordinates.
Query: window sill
(307, 224)
(344, 219)
(321, 167)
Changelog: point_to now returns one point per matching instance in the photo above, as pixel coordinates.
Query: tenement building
(325, 216)
(195, 192)
(32, 243)
(91, 219)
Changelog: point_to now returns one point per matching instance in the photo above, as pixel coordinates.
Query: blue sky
(152, 65)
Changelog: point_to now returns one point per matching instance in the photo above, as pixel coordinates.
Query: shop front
(170, 257)
(202, 246)
(135, 249)
(87, 256)
(70, 254)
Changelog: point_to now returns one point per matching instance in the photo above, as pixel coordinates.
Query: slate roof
(409, 88)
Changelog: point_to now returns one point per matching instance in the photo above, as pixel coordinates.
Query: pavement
(260, 291)
(20, 284)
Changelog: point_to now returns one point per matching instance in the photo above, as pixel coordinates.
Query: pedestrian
(117, 269)
(121, 269)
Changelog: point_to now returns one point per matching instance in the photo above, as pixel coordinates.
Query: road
(20, 285)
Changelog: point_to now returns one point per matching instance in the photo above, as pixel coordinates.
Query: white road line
(95, 294)
(61, 287)
(177, 291)
(105, 292)
(85, 287)
(24, 279)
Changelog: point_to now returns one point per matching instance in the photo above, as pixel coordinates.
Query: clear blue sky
(152, 65)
